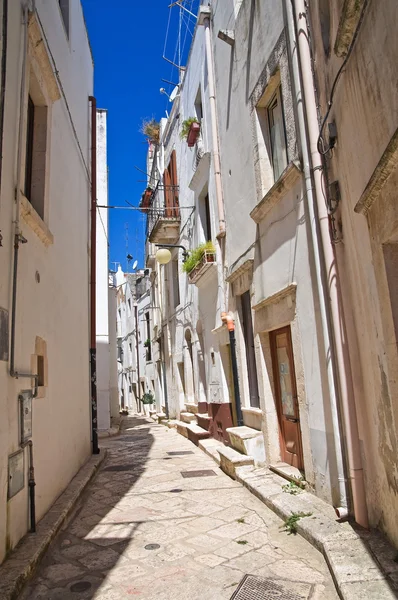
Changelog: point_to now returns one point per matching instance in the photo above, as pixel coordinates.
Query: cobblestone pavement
(142, 530)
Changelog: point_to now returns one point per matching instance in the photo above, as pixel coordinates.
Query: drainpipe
(229, 322)
(333, 290)
(93, 266)
(3, 86)
(332, 375)
(138, 356)
(204, 19)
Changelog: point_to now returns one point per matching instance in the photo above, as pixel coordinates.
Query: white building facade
(44, 284)
(243, 185)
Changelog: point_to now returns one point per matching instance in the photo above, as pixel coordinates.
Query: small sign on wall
(25, 402)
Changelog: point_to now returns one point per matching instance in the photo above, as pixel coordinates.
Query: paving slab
(146, 531)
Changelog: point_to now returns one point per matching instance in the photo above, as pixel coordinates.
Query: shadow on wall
(94, 539)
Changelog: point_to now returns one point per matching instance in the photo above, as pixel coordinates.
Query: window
(29, 148)
(176, 283)
(64, 8)
(148, 337)
(131, 350)
(170, 184)
(129, 306)
(204, 213)
(247, 324)
(35, 155)
(198, 106)
(277, 134)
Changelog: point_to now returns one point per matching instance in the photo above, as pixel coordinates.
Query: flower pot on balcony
(203, 265)
(193, 134)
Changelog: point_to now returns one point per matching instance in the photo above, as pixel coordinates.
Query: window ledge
(285, 182)
(35, 222)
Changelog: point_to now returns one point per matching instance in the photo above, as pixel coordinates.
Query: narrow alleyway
(144, 530)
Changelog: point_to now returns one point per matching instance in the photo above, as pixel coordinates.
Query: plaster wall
(278, 243)
(365, 110)
(102, 278)
(53, 273)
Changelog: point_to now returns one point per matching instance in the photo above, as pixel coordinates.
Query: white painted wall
(56, 309)
(102, 278)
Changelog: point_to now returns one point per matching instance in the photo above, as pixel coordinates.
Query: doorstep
(362, 563)
(22, 561)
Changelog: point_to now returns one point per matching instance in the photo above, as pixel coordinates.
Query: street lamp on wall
(163, 255)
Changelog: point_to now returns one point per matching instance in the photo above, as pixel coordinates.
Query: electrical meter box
(25, 404)
(16, 473)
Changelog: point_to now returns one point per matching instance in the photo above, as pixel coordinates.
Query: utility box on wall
(16, 473)
(25, 405)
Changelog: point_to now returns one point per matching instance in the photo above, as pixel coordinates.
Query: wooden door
(286, 397)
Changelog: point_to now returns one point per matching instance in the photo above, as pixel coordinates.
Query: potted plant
(147, 343)
(204, 253)
(151, 129)
(147, 400)
(190, 130)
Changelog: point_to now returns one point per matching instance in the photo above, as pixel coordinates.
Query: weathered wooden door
(286, 397)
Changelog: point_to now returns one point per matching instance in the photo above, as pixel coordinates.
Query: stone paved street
(207, 532)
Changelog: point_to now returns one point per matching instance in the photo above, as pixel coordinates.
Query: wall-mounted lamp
(163, 255)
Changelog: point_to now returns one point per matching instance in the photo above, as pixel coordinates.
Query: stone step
(191, 408)
(230, 460)
(182, 428)
(187, 417)
(210, 446)
(161, 417)
(248, 441)
(204, 420)
(196, 433)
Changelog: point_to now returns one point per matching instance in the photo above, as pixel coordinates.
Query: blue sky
(127, 40)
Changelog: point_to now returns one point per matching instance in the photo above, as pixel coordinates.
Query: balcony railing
(163, 222)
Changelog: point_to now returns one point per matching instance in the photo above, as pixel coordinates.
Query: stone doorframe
(271, 313)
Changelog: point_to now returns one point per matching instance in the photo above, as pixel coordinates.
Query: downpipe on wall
(297, 11)
(214, 124)
(332, 376)
(229, 322)
(93, 266)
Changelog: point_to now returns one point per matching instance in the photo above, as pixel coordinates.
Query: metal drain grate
(202, 473)
(80, 586)
(258, 588)
(179, 452)
(127, 467)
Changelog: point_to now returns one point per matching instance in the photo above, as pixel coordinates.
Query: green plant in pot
(196, 255)
(190, 130)
(148, 398)
(147, 343)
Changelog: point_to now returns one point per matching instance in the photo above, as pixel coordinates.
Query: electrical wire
(320, 142)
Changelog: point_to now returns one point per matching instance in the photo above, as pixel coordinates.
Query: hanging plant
(190, 130)
(196, 255)
(151, 129)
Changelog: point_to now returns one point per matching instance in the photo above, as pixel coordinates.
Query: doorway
(286, 397)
